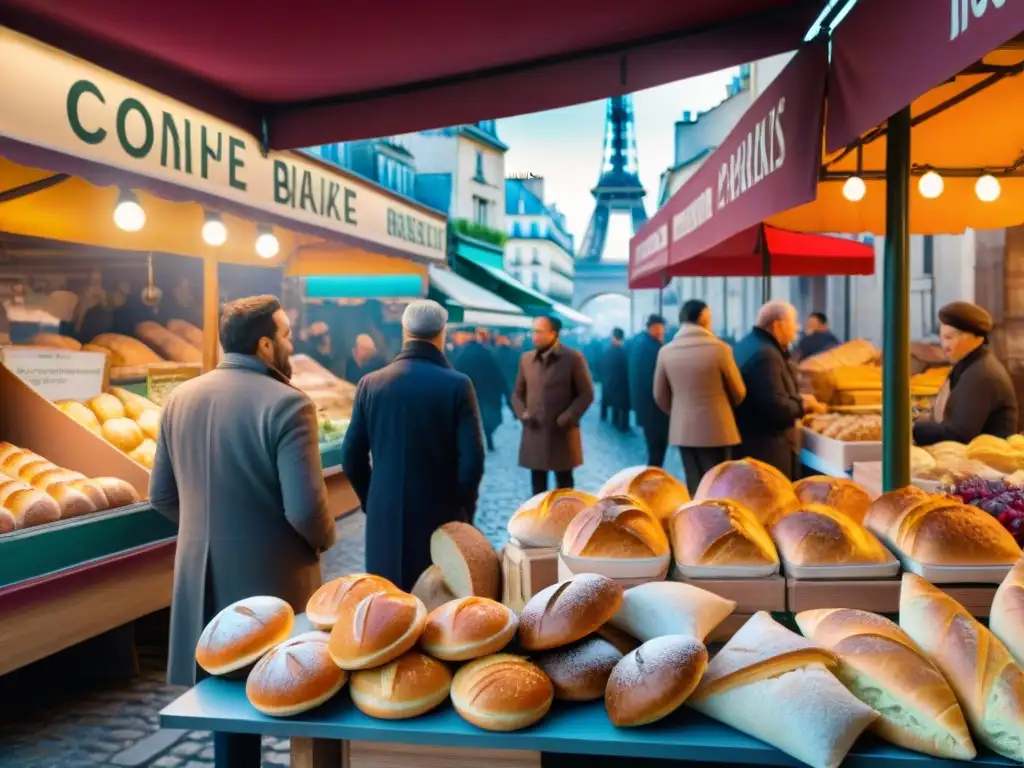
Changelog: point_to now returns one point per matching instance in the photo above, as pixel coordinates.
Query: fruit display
(1003, 500)
(128, 421)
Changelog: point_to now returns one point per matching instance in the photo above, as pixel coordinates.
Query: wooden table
(330, 737)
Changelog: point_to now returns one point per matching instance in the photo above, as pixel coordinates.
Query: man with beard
(237, 468)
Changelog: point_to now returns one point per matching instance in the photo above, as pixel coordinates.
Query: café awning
(474, 304)
(361, 70)
(570, 316)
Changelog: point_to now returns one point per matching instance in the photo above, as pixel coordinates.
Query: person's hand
(564, 421)
(812, 404)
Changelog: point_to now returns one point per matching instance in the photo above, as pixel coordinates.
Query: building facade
(539, 250)
(386, 160)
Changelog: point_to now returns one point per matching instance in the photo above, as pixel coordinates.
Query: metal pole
(896, 426)
(766, 274)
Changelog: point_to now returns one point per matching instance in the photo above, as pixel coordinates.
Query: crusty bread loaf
(380, 627)
(169, 345)
(819, 535)
(569, 611)
(54, 341)
(653, 681)
(655, 487)
(338, 597)
(776, 686)
(1006, 619)
(720, 532)
(579, 672)
(501, 693)
(467, 628)
(105, 406)
(947, 532)
(240, 634)
(149, 423)
(758, 486)
(131, 351)
(670, 608)
(294, 677)
(79, 412)
(430, 587)
(411, 685)
(123, 433)
(836, 492)
(134, 405)
(981, 672)
(541, 521)
(26, 506)
(467, 559)
(887, 509)
(190, 333)
(883, 667)
(119, 493)
(617, 527)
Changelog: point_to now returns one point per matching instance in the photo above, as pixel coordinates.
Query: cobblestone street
(54, 727)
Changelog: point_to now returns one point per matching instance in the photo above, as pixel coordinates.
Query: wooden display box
(976, 598)
(525, 572)
(874, 595)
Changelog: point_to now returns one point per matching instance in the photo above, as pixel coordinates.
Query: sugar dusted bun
(240, 634)
(338, 596)
(27, 506)
(653, 681)
(541, 521)
(294, 677)
(468, 628)
(502, 693)
(566, 612)
(819, 535)
(411, 685)
(758, 486)
(380, 627)
(616, 527)
(887, 509)
(720, 532)
(467, 559)
(836, 492)
(580, 671)
(655, 487)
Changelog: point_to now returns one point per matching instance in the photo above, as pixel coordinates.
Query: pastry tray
(625, 571)
(680, 571)
(839, 453)
(885, 570)
(956, 574)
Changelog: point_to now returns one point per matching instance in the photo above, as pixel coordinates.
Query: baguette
(130, 351)
(1006, 619)
(981, 672)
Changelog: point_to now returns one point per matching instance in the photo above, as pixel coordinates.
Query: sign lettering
(759, 154)
(652, 245)
(695, 215)
(58, 375)
(415, 230)
(960, 11)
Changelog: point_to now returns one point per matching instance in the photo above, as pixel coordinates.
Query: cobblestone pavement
(115, 725)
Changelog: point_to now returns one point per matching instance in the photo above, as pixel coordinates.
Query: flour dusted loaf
(670, 608)
(837, 492)
(758, 486)
(411, 685)
(467, 559)
(1006, 619)
(617, 527)
(579, 672)
(655, 487)
(979, 669)
(541, 521)
(653, 681)
(776, 686)
(373, 631)
(22, 506)
(467, 628)
(569, 611)
(240, 634)
(501, 693)
(882, 667)
(294, 677)
(720, 532)
(885, 511)
(819, 535)
(338, 597)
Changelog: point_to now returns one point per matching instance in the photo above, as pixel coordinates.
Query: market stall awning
(357, 71)
(649, 252)
(570, 316)
(531, 302)
(474, 305)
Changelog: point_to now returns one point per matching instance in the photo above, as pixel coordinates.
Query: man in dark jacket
(643, 360)
(363, 360)
(817, 338)
(615, 381)
(419, 420)
(478, 361)
(767, 417)
(978, 398)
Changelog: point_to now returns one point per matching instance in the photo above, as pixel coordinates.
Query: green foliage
(479, 232)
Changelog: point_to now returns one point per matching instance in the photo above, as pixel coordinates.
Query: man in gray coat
(237, 467)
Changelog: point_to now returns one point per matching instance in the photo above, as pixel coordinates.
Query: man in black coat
(480, 363)
(817, 338)
(615, 381)
(419, 420)
(643, 360)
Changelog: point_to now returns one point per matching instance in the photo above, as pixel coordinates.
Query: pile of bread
(129, 422)
(34, 491)
(179, 341)
(846, 427)
(986, 456)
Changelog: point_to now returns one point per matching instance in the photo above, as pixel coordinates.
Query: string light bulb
(214, 231)
(129, 214)
(267, 245)
(930, 185)
(854, 189)
(987, 188)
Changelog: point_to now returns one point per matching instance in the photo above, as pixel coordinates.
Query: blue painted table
(570, 729)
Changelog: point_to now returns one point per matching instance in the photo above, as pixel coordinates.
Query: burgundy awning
(649, 255)
(886, 53)
(322, 71)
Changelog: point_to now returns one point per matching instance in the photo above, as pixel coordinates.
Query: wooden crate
(525, 572)
(372, 755)
(875, 595)
(976, 598)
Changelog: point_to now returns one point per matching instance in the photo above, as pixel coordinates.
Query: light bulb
(854, 189)
(930, 185)
(267, 245)
(987, 188)
(214, 231)
(129, 214)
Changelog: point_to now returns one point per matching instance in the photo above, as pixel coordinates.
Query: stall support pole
(211, 314)
(896, 424)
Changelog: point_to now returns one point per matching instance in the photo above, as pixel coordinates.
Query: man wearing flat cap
(419, 421)
(978, 398)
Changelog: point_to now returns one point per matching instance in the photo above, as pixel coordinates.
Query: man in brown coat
(553, 390)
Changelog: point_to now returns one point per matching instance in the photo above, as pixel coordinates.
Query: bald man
(363, 360)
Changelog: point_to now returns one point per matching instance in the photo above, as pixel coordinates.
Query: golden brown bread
(467, 628)
(566, 612)
(720, 532)
(467, 559)
(882, 667)
(411, 685)
(105, 406)
(617, 527)
(501, 693)
(149, 423)
(887, 509)
(241, 633)
(169, 345)
(119, 493)
(54, 341)
(373, 631)
(947, 532)
(123, 433)
(541, 521)
(24, 506)
(979, 669)
(131, 351)
(338, 596)
(837, 492)
(995, 452)
(15, 460)
(1006, 619)
(579, 672)
(656, 488)
(819, 535)
(653, 681)
(294, 677)
(758, 486)
(79, 412)
(190, 333)
(144, 453)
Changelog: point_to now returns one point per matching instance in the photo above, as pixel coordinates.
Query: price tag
(58, 374)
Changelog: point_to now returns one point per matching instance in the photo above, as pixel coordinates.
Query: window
(536, 258)
(536, 281)
(517, 231)
(480, 211)
(479, 167)
(534, 229)
(929, 256)
(381, 169)
(517, 257)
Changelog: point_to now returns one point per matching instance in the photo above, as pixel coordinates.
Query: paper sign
(58, 374)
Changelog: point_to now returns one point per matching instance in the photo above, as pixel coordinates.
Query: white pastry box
(868, 474)
(525, 572)
(628, 572)
(839, 454)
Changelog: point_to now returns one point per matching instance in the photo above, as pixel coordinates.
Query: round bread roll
(720, 532)
(467, 559)
(80, 413)
(72, 501)
(617, 527)
(119, 493)
(836, 492)
(431, 589)
(241, 633)
(30, 471)
(17, 460)
(579, 672)
(91, 490)
(995, 452)
(340, 596)
(759, 487)
(566, 612)
(7, 521)
(373, 631)
(145, 453)
(6, 449)
(655, 487)
(124, 434)
(27, 506)
(541, 521)
(468, 628)
(52, 480)
(819, 535)
(411, 685)
(106, 407)
(653, 681)
(502, 693)
(951, 533)
(294, 677)
(149, 423)
(887, 509)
